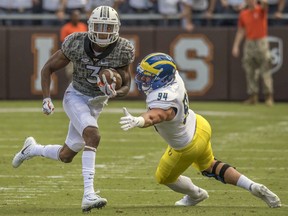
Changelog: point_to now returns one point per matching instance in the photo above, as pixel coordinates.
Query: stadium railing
(147, 16)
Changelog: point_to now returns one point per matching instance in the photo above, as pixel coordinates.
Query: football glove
(106, 88)
(128, 121)
(47, 106)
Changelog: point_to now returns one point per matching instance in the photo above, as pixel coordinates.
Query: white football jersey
(179, 131)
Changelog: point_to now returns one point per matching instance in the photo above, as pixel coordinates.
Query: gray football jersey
(77, 48)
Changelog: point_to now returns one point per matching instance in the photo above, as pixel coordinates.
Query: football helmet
(155, 71)
(103, 26)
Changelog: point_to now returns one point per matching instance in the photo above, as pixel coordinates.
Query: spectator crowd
(186, 13)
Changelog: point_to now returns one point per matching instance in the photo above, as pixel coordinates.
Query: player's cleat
(25, 152)
(266, 195)
(188, 201)
(91, 201)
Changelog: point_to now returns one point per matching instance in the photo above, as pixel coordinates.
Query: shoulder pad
(168, 93)
(72, 41)
(127, 50)
(162, 98)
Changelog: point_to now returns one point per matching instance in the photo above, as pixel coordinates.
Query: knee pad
(220, 176)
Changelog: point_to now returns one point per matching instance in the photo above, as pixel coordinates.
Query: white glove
(128, 121)
(106, 88)
(47, 106)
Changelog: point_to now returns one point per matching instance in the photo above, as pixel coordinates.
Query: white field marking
(116, 110)
(116, 176)
(139, 157)
(218, 150)
(55, 177)
(103, 166)
(162, 189)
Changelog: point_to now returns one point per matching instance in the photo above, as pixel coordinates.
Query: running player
(90, 52)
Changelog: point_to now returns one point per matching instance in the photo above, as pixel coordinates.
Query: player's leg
(76, 142)
(84, 120)
(174, 162)
(90, 198)
(194, 194)
(31, 149)
(200, 148)
(227, 174)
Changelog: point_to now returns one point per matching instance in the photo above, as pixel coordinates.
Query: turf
(251, 138)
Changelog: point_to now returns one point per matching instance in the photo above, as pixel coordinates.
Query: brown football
(109, 73)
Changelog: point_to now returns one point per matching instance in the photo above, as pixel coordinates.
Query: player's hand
(128, 121)
(47, 106)
(106, 88)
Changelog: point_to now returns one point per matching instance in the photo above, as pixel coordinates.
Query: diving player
(187, 134)
(90, 52)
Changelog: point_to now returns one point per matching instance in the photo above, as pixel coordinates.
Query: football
(109, 73)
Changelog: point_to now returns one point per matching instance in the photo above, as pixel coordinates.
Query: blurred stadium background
(203, 55)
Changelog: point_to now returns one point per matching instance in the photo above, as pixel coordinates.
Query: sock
(184, 185)
(47, 151)
(245, 182)
(88, 170)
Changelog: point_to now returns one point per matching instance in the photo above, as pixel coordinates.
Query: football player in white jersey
(90, 52)
(187, 134)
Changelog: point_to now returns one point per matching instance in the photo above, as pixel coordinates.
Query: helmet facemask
(144, 80)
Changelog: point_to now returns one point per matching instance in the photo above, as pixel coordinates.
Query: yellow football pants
(197, 153)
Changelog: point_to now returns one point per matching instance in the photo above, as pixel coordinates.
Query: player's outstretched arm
(151, 117)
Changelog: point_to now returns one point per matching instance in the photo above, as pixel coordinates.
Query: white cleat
(25, 152)
(91, 201)
(188, 201)
(266, 195)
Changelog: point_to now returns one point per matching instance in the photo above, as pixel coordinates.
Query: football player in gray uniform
(90, 52)
(188, 134)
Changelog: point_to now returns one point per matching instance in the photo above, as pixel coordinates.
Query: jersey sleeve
(68, 44)
(127, 52)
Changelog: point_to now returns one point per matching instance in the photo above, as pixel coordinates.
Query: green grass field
(251, 138)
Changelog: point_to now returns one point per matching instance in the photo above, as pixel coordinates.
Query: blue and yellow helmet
(155, 71)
